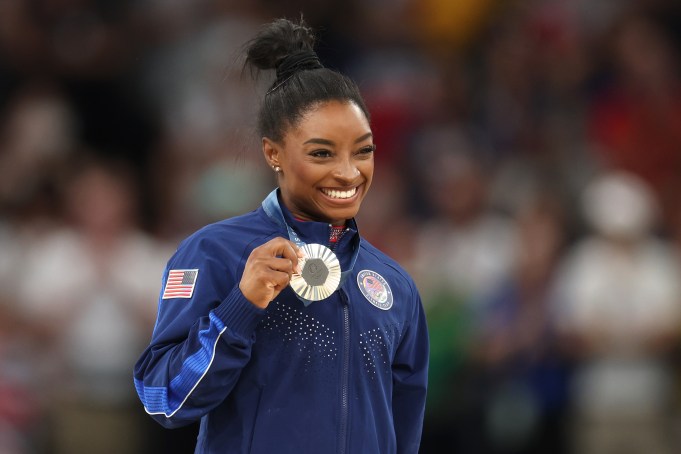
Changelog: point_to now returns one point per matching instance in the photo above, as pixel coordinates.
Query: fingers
(275, 264)
(268, 270)
(280, 247)
(275, 280)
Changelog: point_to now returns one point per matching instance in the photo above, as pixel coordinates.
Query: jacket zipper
(342, 441)
(345, 376)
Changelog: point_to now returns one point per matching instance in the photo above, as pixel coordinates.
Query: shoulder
(233, 233)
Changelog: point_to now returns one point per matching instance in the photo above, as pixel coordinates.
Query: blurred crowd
(527, 175)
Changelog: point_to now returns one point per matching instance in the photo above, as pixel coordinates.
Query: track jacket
(343, 375)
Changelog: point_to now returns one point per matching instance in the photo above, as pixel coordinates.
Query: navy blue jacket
(343, 375)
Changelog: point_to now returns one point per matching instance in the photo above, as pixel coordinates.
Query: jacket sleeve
(200, 343)
(410, 379)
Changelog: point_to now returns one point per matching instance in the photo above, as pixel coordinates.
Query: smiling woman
(291, 332)
(326, 163)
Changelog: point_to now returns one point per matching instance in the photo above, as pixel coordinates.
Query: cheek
(298, 172)
(367, 169)
(303, 177)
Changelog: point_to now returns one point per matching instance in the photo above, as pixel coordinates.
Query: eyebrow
(320, 141)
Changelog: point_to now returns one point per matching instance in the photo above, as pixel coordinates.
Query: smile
(336, 194)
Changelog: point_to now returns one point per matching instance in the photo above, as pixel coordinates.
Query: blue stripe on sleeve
(168, 400)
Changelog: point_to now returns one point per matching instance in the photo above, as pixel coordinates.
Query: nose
(346, 171)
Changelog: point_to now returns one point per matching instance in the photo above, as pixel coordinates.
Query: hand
(268, 270)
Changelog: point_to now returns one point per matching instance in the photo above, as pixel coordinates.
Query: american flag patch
(180, 284)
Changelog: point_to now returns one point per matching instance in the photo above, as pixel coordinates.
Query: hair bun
(301, 80)
(297, 61)
(285, 46)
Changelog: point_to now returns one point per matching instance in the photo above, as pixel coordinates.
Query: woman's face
(326, 161)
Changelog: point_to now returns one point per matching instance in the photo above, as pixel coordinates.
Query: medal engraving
(315, 272)
(320, 275)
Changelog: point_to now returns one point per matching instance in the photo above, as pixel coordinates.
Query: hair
(301, 81)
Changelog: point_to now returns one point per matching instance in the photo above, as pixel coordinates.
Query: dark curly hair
(301, 83)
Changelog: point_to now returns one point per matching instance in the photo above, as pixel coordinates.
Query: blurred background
(527, 176)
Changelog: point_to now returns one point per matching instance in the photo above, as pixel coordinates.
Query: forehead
(331, 119)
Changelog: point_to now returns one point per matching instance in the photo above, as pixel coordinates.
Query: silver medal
(320, 273)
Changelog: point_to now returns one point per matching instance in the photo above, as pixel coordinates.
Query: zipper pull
(344, 297)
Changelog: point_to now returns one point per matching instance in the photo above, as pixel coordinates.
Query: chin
(340, 215)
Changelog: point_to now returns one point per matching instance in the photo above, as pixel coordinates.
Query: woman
(282, 330)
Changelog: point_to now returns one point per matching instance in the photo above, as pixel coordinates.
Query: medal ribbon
(273, 210)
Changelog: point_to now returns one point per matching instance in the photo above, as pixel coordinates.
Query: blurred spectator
(510, 105)
(522, 363)
(38, 133)
(635, 118)
(462, 252)
(206, 163)
(19, 408)
(619, 309)
(467, 245)
(87, 294)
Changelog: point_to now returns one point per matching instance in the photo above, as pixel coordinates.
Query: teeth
(340, 194)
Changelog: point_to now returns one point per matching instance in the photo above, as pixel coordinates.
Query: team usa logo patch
(180, 284)
(375, 289)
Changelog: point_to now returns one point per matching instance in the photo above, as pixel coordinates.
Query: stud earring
(277, 169)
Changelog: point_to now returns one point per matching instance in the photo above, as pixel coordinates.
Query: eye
(321, 154)
(367, 150)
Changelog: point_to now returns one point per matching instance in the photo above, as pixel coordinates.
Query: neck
(337, 224)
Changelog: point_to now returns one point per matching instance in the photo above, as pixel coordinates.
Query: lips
(340, 194)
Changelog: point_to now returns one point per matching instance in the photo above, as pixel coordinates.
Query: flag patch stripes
(180, 284)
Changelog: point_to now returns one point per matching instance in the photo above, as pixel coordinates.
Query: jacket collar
(319, 232)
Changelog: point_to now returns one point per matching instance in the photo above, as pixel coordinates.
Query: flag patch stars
(180, 284)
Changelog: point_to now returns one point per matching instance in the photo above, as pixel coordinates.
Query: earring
(277, 169)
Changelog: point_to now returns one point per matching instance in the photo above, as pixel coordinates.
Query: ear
(271, 152)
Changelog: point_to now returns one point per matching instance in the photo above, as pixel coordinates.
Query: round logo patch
(375, 289)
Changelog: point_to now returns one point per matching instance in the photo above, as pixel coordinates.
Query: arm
(201, 344)
(410, 378)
